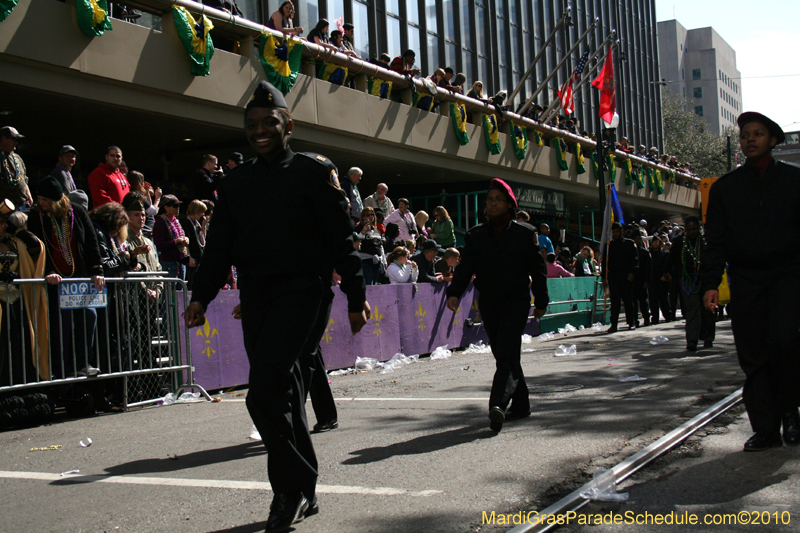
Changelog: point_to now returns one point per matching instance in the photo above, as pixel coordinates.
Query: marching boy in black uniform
(751, 212)
(280, 300)
(504, 257)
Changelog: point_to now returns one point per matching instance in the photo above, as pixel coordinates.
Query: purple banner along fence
(409, 319)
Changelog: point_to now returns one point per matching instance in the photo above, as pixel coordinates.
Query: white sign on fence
(80, 295)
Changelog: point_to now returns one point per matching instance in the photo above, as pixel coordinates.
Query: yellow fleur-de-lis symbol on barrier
(207, 332)
(377, 316)
(327, 336)
(421, 314)
(456, 321)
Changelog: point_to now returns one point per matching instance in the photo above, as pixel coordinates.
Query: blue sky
(764, 35)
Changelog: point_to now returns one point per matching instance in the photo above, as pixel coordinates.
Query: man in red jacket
(106, 182)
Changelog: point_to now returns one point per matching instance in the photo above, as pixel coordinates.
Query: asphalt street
(413, 451)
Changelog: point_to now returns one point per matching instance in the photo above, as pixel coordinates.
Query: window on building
(698, 92)
(696, 74)
(430, 16)
(335, 10)
(682, 76)
(393, 36)
(698, 110)
(392, 6)
(684, 92)
(361, 31)
(412, 12)
(433, 52)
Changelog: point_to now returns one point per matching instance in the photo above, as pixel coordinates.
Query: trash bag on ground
(566, 350)
(441, 353)
(661, 339)
(547, 336)
(631, 378)
(604, 488)
(365, 363)
(597, 326)
(481, 347)
(189, 396)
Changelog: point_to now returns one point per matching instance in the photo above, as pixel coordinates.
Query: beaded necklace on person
(64, 232)
(401, 266)
(694, 277)
(181, 248)
(12, 180)
(410, 227)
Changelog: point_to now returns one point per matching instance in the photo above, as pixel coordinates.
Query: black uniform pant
(640, 301)
(700, 323)
(277, 324)
(505, 320)
(622, 291)
(765, 325)
(315, 378)
(674, 291)
(659, 299)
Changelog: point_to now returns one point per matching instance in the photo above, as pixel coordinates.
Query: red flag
(605, 84)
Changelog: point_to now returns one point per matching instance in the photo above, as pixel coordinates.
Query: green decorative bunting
(580, 159)
(280, 58)
(612, 167)
(651, 179)
(659, 183)
(595, 168)
(560, 147)
(519, 137)
(92, 16)
(332, 73)
(196, 39)
(491, 133)
(537, 138)
(380, 88)
(671, 176)
(626, 165)
(638, 177)
(6, 7)
(458, 113)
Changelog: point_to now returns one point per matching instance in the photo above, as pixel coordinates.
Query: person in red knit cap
(107, 183)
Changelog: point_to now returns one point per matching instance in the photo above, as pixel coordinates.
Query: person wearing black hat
(235, 160)
(620, 263)
(425, 259)
(72, 252)
(63, 169)
(502, 255)
(281, 301)
(13, 176)
(170, 239)
(750, 213)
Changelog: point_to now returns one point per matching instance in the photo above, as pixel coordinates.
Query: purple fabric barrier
(405, 318)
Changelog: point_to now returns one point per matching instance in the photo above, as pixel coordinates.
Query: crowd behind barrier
(74, 347)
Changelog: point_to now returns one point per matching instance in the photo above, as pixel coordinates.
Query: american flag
(565, 93)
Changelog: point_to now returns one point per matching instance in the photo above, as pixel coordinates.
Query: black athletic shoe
(762, 441)
(496, 418)
(287, 508)
(791, 428)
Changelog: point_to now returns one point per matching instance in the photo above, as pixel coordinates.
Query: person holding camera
(207, 179)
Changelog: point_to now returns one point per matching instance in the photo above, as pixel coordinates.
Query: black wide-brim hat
(773, 128)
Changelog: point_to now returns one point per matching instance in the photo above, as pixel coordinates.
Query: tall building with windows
(495, 41)
(700, 66)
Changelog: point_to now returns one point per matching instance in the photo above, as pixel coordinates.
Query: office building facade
(700, 66)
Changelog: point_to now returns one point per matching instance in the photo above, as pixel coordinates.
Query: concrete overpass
(132, 87)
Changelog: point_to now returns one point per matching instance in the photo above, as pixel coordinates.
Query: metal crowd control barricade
(69, 334)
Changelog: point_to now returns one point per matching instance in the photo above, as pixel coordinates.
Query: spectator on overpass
(282, 19)
(404, 64)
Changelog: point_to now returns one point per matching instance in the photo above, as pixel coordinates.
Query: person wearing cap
(425, 259)
(446, 266)
(235, 160)
(281, 301)
(502, 255)
(171, 241)
(758, 203)
(653, 154)
(21, 256)
(107, 183)
(63, 169)
(13, 176)
(207, 179)
(72, 252)
(620, 263)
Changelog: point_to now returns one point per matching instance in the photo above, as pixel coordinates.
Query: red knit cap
(503, 187)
